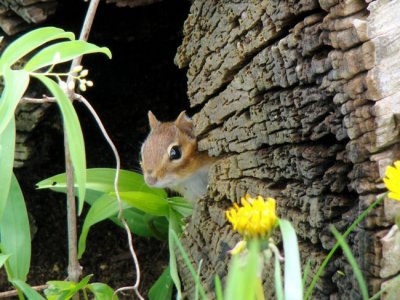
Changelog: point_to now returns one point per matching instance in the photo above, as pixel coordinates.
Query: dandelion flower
(392, 180)
(255, 218)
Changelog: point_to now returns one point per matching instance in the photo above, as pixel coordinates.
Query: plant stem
(74, 269)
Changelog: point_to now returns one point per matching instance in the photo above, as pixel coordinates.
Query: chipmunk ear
(153, 120)
(185, 124)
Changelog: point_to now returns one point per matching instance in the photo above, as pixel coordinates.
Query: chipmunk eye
(175, 153)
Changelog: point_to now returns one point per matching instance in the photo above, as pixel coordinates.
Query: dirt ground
(141, 76)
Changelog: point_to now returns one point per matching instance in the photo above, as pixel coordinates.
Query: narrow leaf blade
(66, 51)
(30, 41)
(293, 280)
(350, 258)
(15, 84)
(29, 292)
(149, 203)
(15, 233)
(7, 149)
(102, 180)
(74, 134)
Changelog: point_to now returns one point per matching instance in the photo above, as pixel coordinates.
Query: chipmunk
(170, 158)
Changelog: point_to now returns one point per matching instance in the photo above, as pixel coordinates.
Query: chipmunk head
(169, 152)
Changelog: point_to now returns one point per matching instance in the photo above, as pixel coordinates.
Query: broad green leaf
(7, 149)
(149, 203)
(3, 259)
(64, 290)
(15, 84)
(353, 263)
(15, 234)
(102, 180)
(162, 288)
(29, 42)
(66, 51)
(102, 291)
(29, 292)
(74, 134)
(293, 280)
(105, 207)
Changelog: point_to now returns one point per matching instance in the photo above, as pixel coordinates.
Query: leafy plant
(149, 211)
(52, 46)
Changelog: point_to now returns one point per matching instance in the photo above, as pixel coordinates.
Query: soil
(140, 77)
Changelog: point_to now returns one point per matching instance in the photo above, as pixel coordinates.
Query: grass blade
(218, 288)
(7, 149)
(188, 264)
(15, 234)
(306, 272)
(74, 134)
(66, 51)
(278, 279)
(3, 259)
(350, 258)
(146, 202)
(293, 279)
(333, 250)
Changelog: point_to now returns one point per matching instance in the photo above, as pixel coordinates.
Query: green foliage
(65, 290)
(353, 263)
(29, 292)
(15, 234)
(293, 280)
(7, 149)
(148, 211)
(242, 279)
(163, 287)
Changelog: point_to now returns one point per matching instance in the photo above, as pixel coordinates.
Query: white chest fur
(193, 187)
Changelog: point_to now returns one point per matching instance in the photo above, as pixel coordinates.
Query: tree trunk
(300, 100)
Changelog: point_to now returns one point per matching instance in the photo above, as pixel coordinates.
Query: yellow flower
(392, 180)
(255, 218)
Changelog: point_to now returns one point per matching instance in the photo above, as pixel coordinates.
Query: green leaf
(293, 279)
(162, 288)
(15, 84)
(3, 258)
(102, 291)
(15, 234)
(105, 207)
(29, 292)
(333, 250)
(149, 203)
(353, 263)
(176, 242)
(218, 288)
(102, 180)
(242, 279)
(64, 290)
(181, 205)
(278, 279)
(306, 272)
(7, 149)
(74, 134)
(174, 229)
(67, 51)
(29, 42)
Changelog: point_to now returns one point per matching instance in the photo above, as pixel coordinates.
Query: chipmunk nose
(150, 180)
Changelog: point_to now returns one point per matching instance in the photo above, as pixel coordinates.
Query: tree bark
(300, 101)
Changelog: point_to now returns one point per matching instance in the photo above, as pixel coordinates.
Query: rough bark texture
(300, 100)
